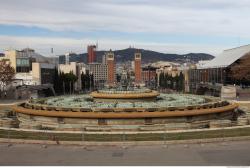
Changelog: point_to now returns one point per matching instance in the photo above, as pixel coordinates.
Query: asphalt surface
(216, 154)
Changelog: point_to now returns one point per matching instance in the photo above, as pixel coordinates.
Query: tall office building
(99, 72)
(110, 57)
(91, 54)
(138, 77)
(104, 59)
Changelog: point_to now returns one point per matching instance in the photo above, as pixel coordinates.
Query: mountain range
(148, 56)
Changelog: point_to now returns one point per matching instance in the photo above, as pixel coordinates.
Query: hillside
(147, 56)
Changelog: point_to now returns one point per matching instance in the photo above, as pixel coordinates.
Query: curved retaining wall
(134, 113)
(143, 119)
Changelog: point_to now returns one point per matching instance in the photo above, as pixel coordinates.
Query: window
(22, 69)
(23, 62)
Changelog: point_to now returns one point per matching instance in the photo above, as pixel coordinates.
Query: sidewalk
(9, 102)
(122, 143)
(242, 102)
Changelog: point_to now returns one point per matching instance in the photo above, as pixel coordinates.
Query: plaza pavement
(5, 102)
(234, 153)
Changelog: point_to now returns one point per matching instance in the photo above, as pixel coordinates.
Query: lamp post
(90, 82)
(63, 88)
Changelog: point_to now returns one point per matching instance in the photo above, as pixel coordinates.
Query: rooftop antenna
(96, 44)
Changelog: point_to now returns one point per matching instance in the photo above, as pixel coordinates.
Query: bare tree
(6, 74)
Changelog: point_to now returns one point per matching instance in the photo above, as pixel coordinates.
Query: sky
(168, 26)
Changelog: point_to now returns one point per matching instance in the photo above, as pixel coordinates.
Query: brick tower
(91, 53)
(111, 67)
(138, 77)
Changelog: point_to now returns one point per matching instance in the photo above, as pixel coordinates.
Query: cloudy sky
(169, 26)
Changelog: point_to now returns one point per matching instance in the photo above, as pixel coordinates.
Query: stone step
(98, 128)
(242, 121)
(178, 126)
(220, 123)
(8, 122)
(152, 128)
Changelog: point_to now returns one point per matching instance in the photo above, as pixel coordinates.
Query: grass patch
(130, 137)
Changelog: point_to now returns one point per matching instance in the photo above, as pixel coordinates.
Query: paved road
(230, 153)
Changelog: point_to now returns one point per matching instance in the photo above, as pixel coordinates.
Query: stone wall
(143, 124)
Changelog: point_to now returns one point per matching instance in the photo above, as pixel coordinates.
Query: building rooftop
(227, 57)
(27, 50)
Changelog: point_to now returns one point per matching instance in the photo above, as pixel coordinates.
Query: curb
(127, 143)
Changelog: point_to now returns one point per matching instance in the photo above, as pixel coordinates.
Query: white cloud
(62, 45)
(213, 17)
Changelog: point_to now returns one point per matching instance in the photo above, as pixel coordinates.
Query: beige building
(32, 70)
(42, 73)
(21, 60)
(170, 70)
(173, 69)
(77, 69)
(29, 70)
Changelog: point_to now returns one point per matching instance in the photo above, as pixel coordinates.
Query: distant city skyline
(166, 26)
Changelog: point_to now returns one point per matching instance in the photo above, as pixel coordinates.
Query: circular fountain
(179, 111)
(124, 108)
